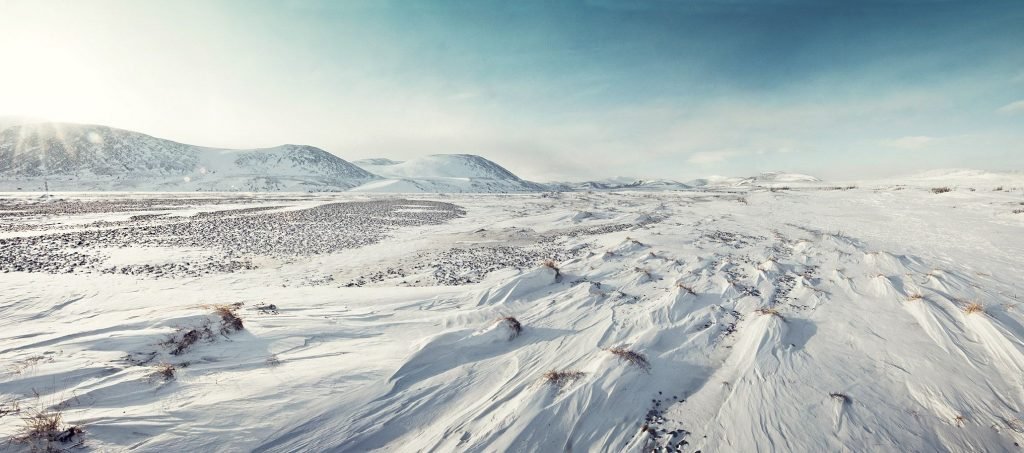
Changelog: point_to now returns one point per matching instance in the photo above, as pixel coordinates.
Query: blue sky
(552, 90)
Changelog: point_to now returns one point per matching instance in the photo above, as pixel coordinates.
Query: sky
(552, 90)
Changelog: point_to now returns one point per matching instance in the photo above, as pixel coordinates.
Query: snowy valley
(871, 318)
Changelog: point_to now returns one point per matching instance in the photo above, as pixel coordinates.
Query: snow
(87, 157)
(443, 173)
(773, 320)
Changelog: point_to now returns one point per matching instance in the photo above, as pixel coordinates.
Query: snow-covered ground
(740, 319)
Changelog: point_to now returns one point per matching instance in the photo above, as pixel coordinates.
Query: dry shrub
(164, 371)
(769, 312)
(180, 345)
(553, 265)
(915, 297)
(273, 360)
(973, 308)
(561, 378)
(42, 428)
(841, 397)
(514, 326)
(686, 288)
(632, 357)
(229, 319)
(941, 189)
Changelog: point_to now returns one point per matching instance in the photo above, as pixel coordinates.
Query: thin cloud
(1013, 108)
(910, 143)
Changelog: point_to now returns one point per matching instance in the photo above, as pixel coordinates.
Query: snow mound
(442, 173)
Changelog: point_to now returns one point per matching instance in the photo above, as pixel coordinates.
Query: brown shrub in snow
(514, 326)
(561, 378)
(632, 357)
(164, 371)
(973, 308)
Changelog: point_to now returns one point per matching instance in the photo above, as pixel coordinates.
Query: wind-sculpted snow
(747, 319)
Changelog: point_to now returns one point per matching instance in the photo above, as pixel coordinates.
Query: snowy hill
(439, 173)
(963, 177)
(90, 157)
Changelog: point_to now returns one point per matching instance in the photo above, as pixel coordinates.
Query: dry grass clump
(974, 307)
(915, 297)
(561, 378)
(553, 265)
(960, 420)
(632, 358)
(769, 312)
(841, 397)
(514, 326)
(686, 288)
(180, 345)
(1018, 211)
(42, 428)
(941, 189)
(230, 321)
(164, 371)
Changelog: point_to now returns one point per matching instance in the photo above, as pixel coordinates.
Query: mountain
(439, 173)
(91, 157)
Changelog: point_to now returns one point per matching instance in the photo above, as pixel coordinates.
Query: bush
(973, 308)
(41, 428)
(632, 358)
(561, 378)
(514, 326)
(941, 189)
(230, 321)
(164, 371)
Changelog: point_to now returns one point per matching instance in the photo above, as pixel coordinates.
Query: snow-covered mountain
(91, 157)
(439, 173)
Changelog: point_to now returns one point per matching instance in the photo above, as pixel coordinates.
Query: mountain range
(82, 157)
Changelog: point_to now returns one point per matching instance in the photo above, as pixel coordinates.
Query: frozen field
(881, 318)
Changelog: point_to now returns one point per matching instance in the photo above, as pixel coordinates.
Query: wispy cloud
(711, 157)
(1013, 108)
(910, 143)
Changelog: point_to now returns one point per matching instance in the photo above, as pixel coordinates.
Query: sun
(50, 78)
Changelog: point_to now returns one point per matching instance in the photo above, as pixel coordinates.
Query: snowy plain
(810, 318)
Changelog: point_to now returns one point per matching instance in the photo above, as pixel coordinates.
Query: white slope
(771, 321)
(962, 177)
(443, 173)
(622, 184)
(89, 157)
(766, 179)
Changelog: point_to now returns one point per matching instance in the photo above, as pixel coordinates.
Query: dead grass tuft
(941, 189)
(686, 288)
(974, 307)
(769, 312)
(514, 326)
(915, 297)
(841, 397)
(553, 265)
(561, 378)
(180, 345)
(41, 429)
(164, 371)
(230, 321)
(632, 358)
